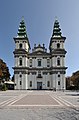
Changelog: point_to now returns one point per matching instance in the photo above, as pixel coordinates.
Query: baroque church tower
(21, 57)
(57, 52)
(39, 69)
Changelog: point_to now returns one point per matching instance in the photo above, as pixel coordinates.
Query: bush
(4, 88)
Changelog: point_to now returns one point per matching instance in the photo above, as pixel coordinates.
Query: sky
(39, 16)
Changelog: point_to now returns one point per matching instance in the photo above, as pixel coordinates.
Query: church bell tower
(57, 51)
(21, 51)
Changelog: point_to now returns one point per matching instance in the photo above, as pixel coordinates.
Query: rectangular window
(20, 83)
(30, 62)
(39, 62)
(48, 62)
(48, 83)
(58, 61)
(20, 61)
(39, 74)
(30, 83)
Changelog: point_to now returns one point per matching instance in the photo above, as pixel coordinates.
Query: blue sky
(39, 17)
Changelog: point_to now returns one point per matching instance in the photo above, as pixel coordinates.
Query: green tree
(73, 81)
(13, 78)
(4, 72)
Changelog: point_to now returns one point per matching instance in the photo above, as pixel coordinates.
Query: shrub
(4, 88)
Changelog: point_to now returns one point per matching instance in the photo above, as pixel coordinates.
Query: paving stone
(39, 113)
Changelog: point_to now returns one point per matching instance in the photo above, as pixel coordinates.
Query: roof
(9, 82)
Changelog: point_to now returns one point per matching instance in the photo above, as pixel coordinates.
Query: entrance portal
(39, 85)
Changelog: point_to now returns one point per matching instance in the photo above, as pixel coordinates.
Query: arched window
(58, 45)
(58, 82)
(20, 45)
(20, 61)
(58, 61)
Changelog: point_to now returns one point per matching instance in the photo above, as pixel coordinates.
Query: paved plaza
(39, 105)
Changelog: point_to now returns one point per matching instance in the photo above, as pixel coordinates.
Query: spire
(56, 30)
(22, 29)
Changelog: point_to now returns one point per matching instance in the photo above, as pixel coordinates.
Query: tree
(13, 78)
(4, 72)
(73, 81)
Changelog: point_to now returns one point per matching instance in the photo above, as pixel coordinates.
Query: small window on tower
(20, 61)
(48, 62)
(58, 61)
(20, 76)
(20, 45)
(58, 45)
(58, 76)
(30, 62)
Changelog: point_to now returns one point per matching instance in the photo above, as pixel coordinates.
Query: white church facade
(39, 69)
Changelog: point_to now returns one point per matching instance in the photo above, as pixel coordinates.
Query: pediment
(39, 53)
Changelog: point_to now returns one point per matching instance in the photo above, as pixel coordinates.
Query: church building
(39, 69)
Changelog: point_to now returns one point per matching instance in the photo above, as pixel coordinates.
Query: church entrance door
(39, 85)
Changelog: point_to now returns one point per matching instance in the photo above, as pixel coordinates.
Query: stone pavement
(39, 105)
